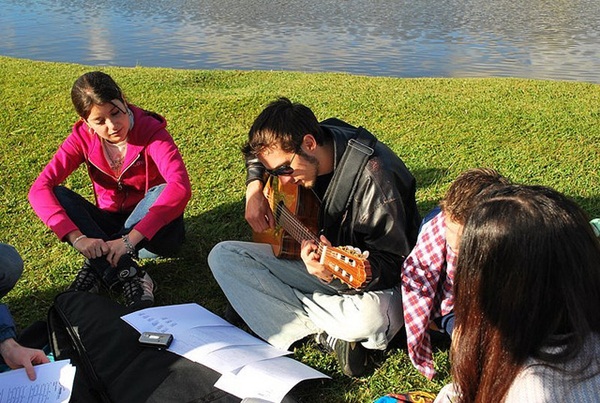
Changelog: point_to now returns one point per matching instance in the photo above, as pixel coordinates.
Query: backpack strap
(66, 343)
(343, 184)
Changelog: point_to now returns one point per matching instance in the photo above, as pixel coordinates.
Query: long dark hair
(528, 274)
(94, 88)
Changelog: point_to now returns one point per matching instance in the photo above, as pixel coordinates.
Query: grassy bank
(536, 132)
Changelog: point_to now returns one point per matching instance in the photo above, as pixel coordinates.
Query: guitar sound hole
(278, 209)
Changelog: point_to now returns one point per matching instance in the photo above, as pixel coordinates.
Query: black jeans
(96, 223)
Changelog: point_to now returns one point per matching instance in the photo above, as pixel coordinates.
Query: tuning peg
(357, 251)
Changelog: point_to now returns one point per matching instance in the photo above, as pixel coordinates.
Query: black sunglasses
(282, 170)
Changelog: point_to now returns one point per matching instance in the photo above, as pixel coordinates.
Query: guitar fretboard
(293, 226)
(347, 264)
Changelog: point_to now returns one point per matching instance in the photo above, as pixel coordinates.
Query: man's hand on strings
(311, 257)
(258, 212)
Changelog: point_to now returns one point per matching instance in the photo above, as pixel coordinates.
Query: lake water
(546, 39)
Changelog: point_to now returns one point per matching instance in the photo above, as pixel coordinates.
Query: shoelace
(136, 288)
(331, 341)
(85, 279)
(133, 289)
(147, 286)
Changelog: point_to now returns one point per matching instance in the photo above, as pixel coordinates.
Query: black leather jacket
(382, 216)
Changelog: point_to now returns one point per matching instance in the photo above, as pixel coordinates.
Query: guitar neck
(293, 226)
(347, 264)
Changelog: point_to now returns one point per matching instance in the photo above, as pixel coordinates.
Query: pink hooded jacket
(152, 159)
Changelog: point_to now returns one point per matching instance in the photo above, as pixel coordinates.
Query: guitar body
(302, 203)
(296, 212)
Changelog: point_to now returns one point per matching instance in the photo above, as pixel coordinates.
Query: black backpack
(112, 366)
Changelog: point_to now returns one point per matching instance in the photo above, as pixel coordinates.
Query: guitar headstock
(348, 264)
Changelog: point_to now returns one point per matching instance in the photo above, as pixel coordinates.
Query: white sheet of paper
(172, 318)
(231, 358)
(268, 380)
(251, 367)
(53, 384)
(203, 340)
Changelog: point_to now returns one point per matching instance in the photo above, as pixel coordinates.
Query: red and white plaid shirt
(427, 278)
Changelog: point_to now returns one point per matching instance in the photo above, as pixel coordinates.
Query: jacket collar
(143, 130)
(340, 137)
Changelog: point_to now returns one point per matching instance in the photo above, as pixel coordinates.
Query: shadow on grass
(590, 204)
(187, 277)
(426, 178)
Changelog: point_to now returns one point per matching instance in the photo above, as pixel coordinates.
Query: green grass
(535, 132)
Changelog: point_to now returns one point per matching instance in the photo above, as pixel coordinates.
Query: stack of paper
(53, 384)
(251, 368)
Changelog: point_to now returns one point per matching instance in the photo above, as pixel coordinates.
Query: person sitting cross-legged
(285, 300)
(140, 186)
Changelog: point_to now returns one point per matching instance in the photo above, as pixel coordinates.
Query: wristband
(128, 245)
(79, 238)
(255, 170)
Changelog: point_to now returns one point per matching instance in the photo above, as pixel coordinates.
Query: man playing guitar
(344, 296)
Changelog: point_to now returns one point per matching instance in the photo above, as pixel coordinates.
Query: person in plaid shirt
(428, 272)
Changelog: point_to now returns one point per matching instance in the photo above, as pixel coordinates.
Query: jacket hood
(146, 125)
(151, 122)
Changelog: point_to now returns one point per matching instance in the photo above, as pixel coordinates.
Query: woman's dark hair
(94, 88)
(528, 274)
(285, 123)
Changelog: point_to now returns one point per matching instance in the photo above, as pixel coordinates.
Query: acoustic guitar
(296, 210)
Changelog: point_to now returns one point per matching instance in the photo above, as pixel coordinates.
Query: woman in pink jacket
(141, 188)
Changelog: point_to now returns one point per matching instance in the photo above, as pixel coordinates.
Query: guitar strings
(299, 231)
(295, 228)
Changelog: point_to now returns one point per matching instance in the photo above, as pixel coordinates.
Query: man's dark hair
(282, 123)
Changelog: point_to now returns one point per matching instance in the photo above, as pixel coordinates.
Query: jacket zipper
(118, 179)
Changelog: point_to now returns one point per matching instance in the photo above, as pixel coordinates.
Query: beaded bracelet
(128, 245)
(79, 238)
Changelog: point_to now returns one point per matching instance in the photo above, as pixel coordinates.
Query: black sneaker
(138, 287)
(351, 356)
(86, 280)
